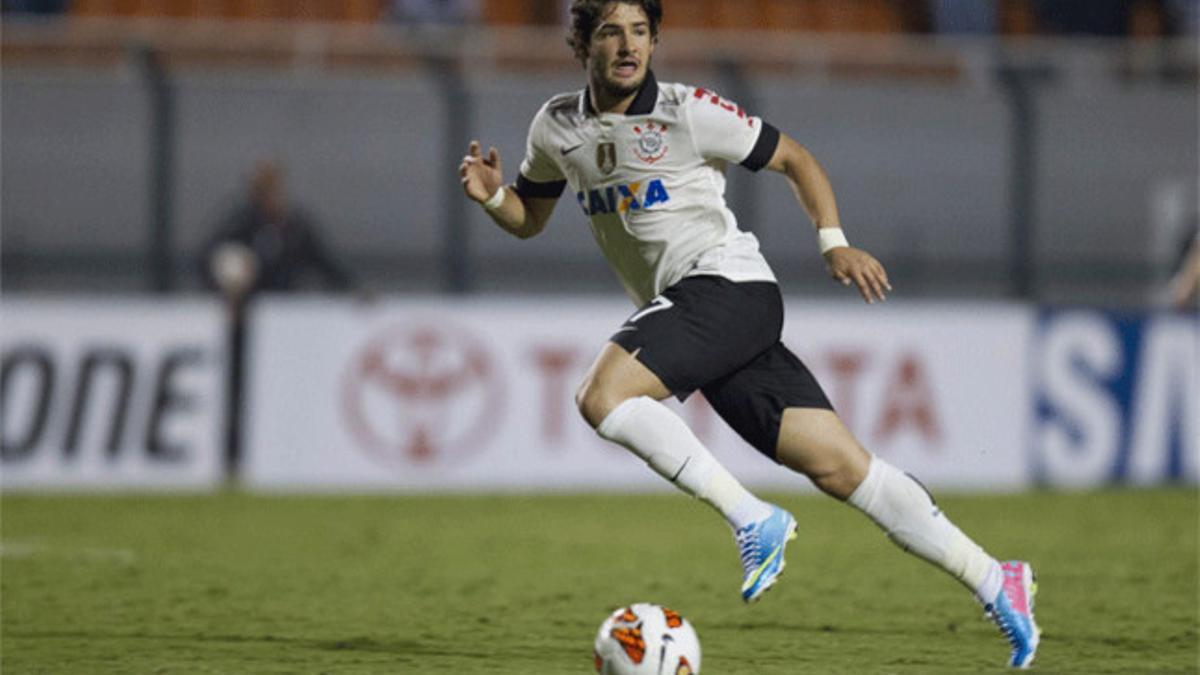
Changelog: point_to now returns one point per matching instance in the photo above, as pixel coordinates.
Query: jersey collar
(643, 103)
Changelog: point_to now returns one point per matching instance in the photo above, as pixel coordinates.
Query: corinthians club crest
(606, 157)
(651, 144)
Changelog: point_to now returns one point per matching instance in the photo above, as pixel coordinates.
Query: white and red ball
(647, 639)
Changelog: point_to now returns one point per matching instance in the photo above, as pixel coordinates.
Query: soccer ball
(647, 639)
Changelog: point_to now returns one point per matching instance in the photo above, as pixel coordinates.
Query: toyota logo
(420, 394)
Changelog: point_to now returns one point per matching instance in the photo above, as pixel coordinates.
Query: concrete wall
(922, 174)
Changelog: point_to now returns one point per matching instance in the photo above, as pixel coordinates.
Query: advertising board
(102, 393)
(477, 394)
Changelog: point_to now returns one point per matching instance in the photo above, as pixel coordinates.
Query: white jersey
(652, 181)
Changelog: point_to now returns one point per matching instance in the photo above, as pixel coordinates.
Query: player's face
(620, 50)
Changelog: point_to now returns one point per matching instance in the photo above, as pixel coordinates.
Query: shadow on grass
(354, 644)
(851, 629)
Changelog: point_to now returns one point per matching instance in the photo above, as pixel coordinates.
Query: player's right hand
(481, 176)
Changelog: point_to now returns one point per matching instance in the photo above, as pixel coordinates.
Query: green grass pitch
(239, 584)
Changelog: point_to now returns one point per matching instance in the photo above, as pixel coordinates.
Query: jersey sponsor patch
(724, 104)
(623, 197)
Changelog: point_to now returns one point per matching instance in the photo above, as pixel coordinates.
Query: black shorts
(722, 337)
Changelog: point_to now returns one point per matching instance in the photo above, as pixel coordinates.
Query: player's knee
(596, 401)
(835, 482)
(835, 474)
(835, 463)
(838, 479)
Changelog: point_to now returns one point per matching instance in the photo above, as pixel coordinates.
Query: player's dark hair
(586, 14)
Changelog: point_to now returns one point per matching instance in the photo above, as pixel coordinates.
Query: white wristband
(830, 237)
(495, 200)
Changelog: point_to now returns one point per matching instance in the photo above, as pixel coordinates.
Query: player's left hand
(850, 265)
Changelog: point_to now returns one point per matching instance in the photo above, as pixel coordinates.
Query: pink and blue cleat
(1012, 612)
(761, 547)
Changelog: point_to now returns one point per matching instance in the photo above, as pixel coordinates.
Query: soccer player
(646, 162)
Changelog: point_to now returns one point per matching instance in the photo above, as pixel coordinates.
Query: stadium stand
(1014, 17)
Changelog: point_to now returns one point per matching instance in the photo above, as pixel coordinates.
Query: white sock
(904, 510)
(651, 431)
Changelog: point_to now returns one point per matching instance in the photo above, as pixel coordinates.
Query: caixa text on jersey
(623, 197)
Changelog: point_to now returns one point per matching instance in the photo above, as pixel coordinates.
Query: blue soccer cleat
(761, 547)
(1012, 611)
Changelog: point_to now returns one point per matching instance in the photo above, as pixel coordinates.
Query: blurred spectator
(1184, 17)
(266, 244)
(963, 16)
(34, 6)
(1109, 18)
(443, 12)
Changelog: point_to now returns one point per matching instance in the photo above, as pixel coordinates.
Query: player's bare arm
(814, 192)
(483, 177)
(1185, 285)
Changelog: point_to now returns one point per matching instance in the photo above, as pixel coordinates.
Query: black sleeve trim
(529, 188)
(764, 148)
